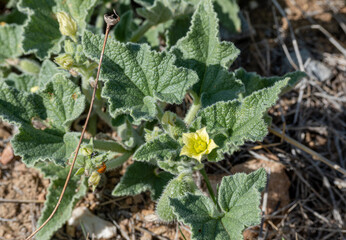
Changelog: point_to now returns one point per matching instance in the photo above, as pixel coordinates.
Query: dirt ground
(305, 198)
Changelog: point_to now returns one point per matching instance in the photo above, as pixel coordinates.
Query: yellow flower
(67, 25)
(197, 144)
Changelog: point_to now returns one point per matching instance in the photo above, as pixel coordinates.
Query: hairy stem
(196, 105)
(210, 189)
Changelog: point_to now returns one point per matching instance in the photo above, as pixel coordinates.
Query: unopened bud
(94, 180)
(65, 61)
(86, 150)
(169, 118)
(67, 25)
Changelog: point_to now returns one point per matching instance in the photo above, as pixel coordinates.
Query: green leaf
(234, 122)
(160, 149)
(140, 177)
(239, 198)
(48, 71)
(162, 10)
(43, 119)
(177, 30)
(136, 77)
(176, 188)
(123, 30)
(41, 32)
(13, 17)
(254, 82)
(10, 46)
(227, 11)
(202, 52)
(23, 82)
(76, 189)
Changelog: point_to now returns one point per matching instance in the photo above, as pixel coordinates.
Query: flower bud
(94, 180)
(65, 61)
(86, 150)
(67, 25)
(169, 118)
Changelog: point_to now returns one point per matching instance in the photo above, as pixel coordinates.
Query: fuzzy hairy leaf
(227, 11)
(234, 122)
(254, 82)
(25, 82)
(239, 198)
(10, 46)
(123, 30)
(140, 177)
(162, 10)
(41, 32)
(136, 77)
(43, 119)
(77, 188)
(160, 149)
(202, 52)
(176, 188)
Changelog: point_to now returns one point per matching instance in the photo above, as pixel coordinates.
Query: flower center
(200, 146)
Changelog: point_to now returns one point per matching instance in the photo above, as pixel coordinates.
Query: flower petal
(203, 135)
(188, 151)
(211, 146)
(189, 138)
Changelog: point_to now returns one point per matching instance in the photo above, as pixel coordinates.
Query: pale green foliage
(136, 77)
(43, 119)
(254, 82)
(202, 52)
(176, 188)
(25, 82)
(41, 32)
(163, 10)
(228, 11)
(234, 122)
(10, 46)
(77, 189)
(140, 177)
(239, 199)
(159, 149)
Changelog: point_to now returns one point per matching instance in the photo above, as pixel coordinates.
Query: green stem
(210, 189)
(116, 162)
(160, 112)
(141, 31)
(191, 114)
(97, 107)
(109, 146)
(92, 126)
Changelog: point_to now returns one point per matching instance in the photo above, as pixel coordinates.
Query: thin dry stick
(111, 20)
(314, 154)
(2, 200)
(328, 35)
